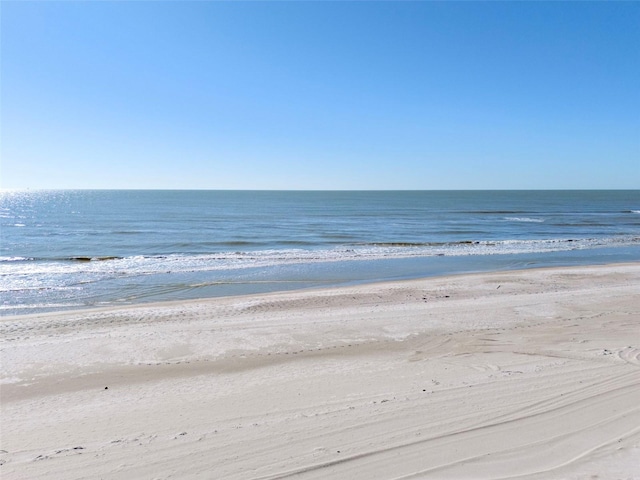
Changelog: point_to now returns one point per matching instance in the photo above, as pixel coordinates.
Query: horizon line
(131, 189)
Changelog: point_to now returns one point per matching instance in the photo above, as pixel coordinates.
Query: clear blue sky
(320, 95)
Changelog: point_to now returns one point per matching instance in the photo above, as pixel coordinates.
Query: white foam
(45, 274)
(524, 219)
(40, 306)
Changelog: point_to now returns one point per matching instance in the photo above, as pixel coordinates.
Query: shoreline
(531, 372)
(319, 285)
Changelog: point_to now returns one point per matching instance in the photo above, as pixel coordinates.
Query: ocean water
(75, 249)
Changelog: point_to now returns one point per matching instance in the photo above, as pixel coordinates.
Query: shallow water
(68, 249)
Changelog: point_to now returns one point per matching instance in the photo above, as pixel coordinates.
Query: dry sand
(530, 374)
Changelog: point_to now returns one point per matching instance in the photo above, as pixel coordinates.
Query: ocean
(89, 248)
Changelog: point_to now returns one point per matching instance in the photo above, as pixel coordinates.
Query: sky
(320, 95)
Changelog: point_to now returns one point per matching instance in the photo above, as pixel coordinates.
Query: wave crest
(524, 219)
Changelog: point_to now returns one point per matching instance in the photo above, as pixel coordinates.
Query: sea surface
(87, 248)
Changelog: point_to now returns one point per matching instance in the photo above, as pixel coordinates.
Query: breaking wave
(86, 268)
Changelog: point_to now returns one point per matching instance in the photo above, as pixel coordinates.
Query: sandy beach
(531, 374)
